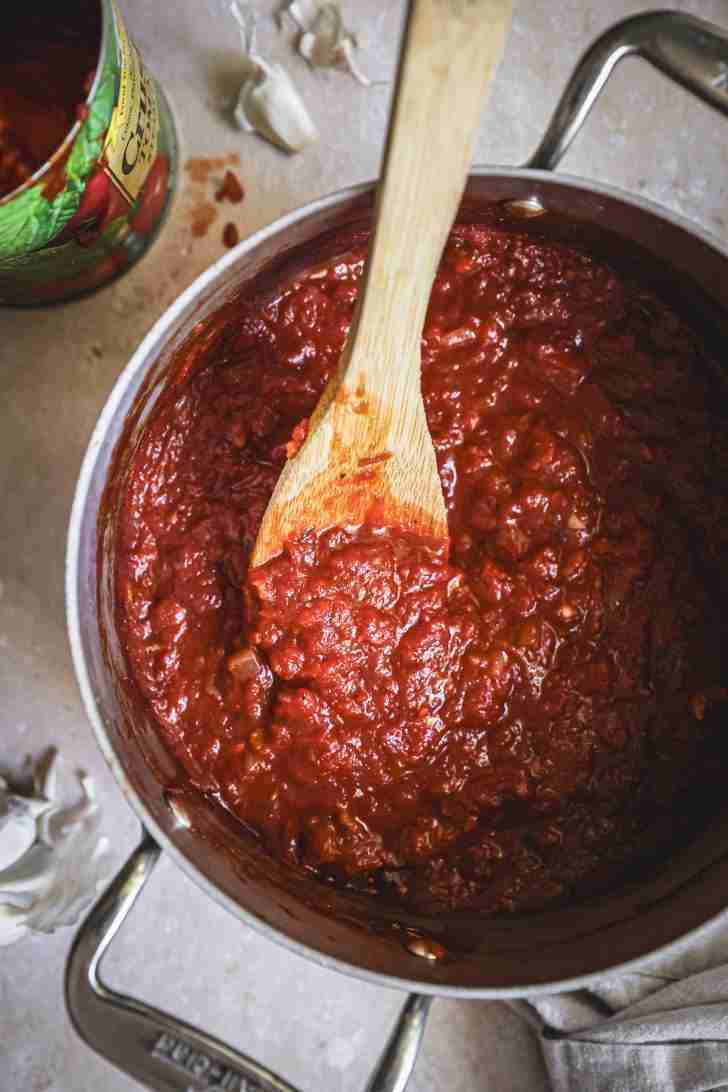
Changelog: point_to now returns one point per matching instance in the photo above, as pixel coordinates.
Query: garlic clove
(52, 859)
(268, 102)
(270, 105)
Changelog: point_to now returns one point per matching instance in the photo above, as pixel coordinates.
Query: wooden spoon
(368, 455)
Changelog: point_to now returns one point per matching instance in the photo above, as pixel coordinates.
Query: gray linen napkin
(661, 1029)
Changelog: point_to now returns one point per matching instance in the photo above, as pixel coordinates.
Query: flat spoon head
(365, 460)
(368, 456)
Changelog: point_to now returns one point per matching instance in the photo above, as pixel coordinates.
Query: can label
(95, 207)
(133, 134)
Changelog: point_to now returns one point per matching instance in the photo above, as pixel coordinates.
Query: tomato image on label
(152, 197)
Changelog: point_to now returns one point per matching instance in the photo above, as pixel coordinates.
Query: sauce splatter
(231, 189)
(202, 217)
(230, 235)
(200, 168)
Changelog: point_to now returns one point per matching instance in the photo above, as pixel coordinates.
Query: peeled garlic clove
(270, 104)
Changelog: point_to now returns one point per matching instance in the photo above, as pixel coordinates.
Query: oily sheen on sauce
(521, 721)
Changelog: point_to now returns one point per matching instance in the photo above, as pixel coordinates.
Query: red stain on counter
(199, 168)
(231, 189)
(202, 216)
(230, 235)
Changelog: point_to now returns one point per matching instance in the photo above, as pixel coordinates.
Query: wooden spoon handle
(369, 454)
(451, 52)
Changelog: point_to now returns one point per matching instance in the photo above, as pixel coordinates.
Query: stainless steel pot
(562, 949)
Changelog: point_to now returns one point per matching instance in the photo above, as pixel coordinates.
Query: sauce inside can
(47, 67)
(87, 151)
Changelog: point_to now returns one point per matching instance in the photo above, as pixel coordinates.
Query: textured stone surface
(57, 366)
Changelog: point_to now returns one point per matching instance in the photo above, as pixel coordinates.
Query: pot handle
(691, 51)
(398, 1058)
(166, 1054)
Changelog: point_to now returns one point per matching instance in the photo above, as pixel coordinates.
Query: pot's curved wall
(492, 957)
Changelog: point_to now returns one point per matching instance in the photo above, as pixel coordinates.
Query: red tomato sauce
(48, 55)
(517, 723)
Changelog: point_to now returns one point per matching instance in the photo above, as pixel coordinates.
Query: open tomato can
(88, 152)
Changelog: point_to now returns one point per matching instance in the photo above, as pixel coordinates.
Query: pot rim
(138, 362)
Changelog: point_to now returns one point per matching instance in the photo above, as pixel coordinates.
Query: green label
(30, 220)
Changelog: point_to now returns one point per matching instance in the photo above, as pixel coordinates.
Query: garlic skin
(53, 862)
(324, 41)
(268, 102)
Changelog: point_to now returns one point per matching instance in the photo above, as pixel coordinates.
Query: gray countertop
(57, 366)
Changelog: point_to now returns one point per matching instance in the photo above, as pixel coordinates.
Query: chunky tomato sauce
(516, 723)
(48, 55)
